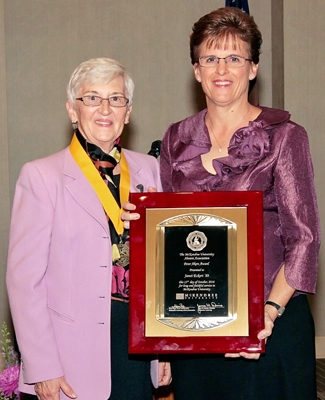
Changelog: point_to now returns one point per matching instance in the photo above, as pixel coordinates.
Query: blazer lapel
(81, 190)
(139, 175)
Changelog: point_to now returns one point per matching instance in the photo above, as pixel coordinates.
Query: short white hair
(98, 71)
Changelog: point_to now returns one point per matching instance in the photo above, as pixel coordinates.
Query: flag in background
(242, 4)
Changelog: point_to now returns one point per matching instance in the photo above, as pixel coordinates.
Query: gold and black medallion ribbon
(109, 203)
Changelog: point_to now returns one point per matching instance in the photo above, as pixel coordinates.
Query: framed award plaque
(196, 273)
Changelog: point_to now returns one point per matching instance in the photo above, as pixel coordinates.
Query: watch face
(281, 311)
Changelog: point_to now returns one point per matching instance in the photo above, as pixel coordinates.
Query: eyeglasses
(113, 101)
(232, 61)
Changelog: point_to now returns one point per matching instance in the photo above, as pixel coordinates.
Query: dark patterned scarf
(105, 164)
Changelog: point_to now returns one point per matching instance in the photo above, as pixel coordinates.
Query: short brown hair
(220, 25)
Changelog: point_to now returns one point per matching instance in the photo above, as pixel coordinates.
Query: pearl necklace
(220, 147)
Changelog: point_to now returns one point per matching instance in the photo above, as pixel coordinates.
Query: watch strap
(279, 308)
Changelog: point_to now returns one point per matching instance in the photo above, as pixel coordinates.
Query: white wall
(4, 177)
(304, 61)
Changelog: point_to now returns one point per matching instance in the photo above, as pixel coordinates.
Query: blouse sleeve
(298, 212)
(165, 163)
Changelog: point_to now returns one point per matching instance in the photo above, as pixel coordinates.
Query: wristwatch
(280, 309)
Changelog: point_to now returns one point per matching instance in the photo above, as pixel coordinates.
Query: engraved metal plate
(197, 286)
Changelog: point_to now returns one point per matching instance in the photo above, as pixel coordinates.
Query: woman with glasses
(233, 145)
(68, 265)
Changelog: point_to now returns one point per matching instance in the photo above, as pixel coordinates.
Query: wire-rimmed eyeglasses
(233, 61)
(113, 101)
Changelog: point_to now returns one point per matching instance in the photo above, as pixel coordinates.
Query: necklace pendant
(220, 150)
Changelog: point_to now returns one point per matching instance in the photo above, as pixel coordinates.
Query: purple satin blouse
(271, 154)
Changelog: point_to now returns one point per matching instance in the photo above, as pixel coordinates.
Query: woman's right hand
(50, 390)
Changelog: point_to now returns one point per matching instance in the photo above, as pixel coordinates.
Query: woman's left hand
(127, 215)
(269, 318)
(165, 373)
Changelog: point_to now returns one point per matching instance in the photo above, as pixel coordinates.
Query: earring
(74, 125)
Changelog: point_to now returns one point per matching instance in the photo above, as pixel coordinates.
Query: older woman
(233, 145)
(68, 263)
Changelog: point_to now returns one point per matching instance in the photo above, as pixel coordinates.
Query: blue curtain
(242, 4)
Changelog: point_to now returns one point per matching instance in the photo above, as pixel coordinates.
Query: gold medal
(120, 252)
(124, 259)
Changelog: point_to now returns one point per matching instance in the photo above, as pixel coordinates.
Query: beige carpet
(320, 371)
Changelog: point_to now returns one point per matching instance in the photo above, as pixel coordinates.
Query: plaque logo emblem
(196, 241)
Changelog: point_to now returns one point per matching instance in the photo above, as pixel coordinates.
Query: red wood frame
(138, 342)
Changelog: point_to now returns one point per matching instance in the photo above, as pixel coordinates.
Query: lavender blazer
(59, 273)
